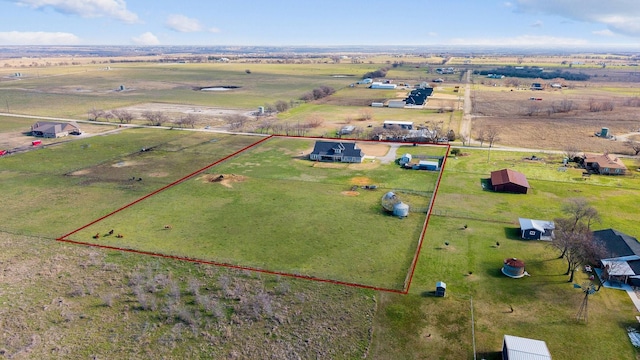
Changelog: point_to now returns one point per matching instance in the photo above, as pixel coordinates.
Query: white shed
(519, 348)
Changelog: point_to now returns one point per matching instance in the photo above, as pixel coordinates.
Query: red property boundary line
(408, 279)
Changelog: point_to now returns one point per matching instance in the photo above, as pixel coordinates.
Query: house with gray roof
(621, 260)
(54, 129)
(347, 152)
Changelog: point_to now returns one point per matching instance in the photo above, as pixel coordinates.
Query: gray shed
(441, 288)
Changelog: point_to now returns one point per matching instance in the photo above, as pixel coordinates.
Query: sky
(486, 23)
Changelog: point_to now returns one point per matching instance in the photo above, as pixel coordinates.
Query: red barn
(507, 180)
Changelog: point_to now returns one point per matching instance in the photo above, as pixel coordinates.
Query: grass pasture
(64, 186)
(277, 211)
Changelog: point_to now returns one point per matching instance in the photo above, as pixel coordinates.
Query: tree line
(534, 73)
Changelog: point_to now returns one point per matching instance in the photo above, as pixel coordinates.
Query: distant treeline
(534, 73)
(380, 73)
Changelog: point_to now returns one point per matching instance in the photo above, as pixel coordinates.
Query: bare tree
(152, 117)
(189, 120)
(493, 135)
(108, 115)
(634, 145)
(366, 114)
(581, 249)
(571, 152)
(481, 135)
(579, 211)
(94, 114)
(563, 106)
(464, 137)
(281, 106)
(123, 116)
(236, 121)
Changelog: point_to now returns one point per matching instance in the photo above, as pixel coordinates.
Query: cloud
(507, 4)
(537, 24)
(620, 16)
(214, 30)
(605, 32)
(38, 38)
(521, 41)
(181, 23)
(146, 39)
(116, 9)
(432, 34)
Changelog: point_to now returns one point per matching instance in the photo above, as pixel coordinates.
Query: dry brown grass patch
(224, 179)
(360, 181)
(374, 149)
(350, 193)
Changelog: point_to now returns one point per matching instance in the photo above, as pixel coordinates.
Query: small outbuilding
(519, 348)
(405, 159)
(531, 229)
(441, 288)
(401, 210)
(513, 268)
(507, 180)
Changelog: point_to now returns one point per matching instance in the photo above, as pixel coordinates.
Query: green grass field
(281, 213)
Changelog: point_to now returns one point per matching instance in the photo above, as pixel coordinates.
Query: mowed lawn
(540, 306)
(277, 211)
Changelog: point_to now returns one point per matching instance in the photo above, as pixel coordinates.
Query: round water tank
(513, 268)
(604, 132)
(401, 210)
(260, 110)
(389, 200)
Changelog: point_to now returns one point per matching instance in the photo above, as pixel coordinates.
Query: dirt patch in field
(125, 163)
(226, 180)
(159, 174)
(350, 193)
(80, 172)
(360, 181)
(370, 149)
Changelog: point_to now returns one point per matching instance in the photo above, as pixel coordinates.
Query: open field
(274, 209)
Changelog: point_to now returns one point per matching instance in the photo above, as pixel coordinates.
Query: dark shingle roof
(506, 176)
(329, 147)
(616, 243)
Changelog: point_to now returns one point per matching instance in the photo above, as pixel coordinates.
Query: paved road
(221, 131)
(391, 154)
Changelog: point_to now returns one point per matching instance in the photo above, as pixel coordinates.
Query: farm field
(274, 210)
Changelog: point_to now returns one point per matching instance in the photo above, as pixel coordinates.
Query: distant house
(622, 256)
(407, 125)
(537, 86)
(419, 96)
(54, 129)
(507, 180)
(347, 129)
(346, 152)
(604, 164)
(536, 229)
(519, 348)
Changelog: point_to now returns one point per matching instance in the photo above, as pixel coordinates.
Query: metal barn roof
(519, 348)
(540, 225)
